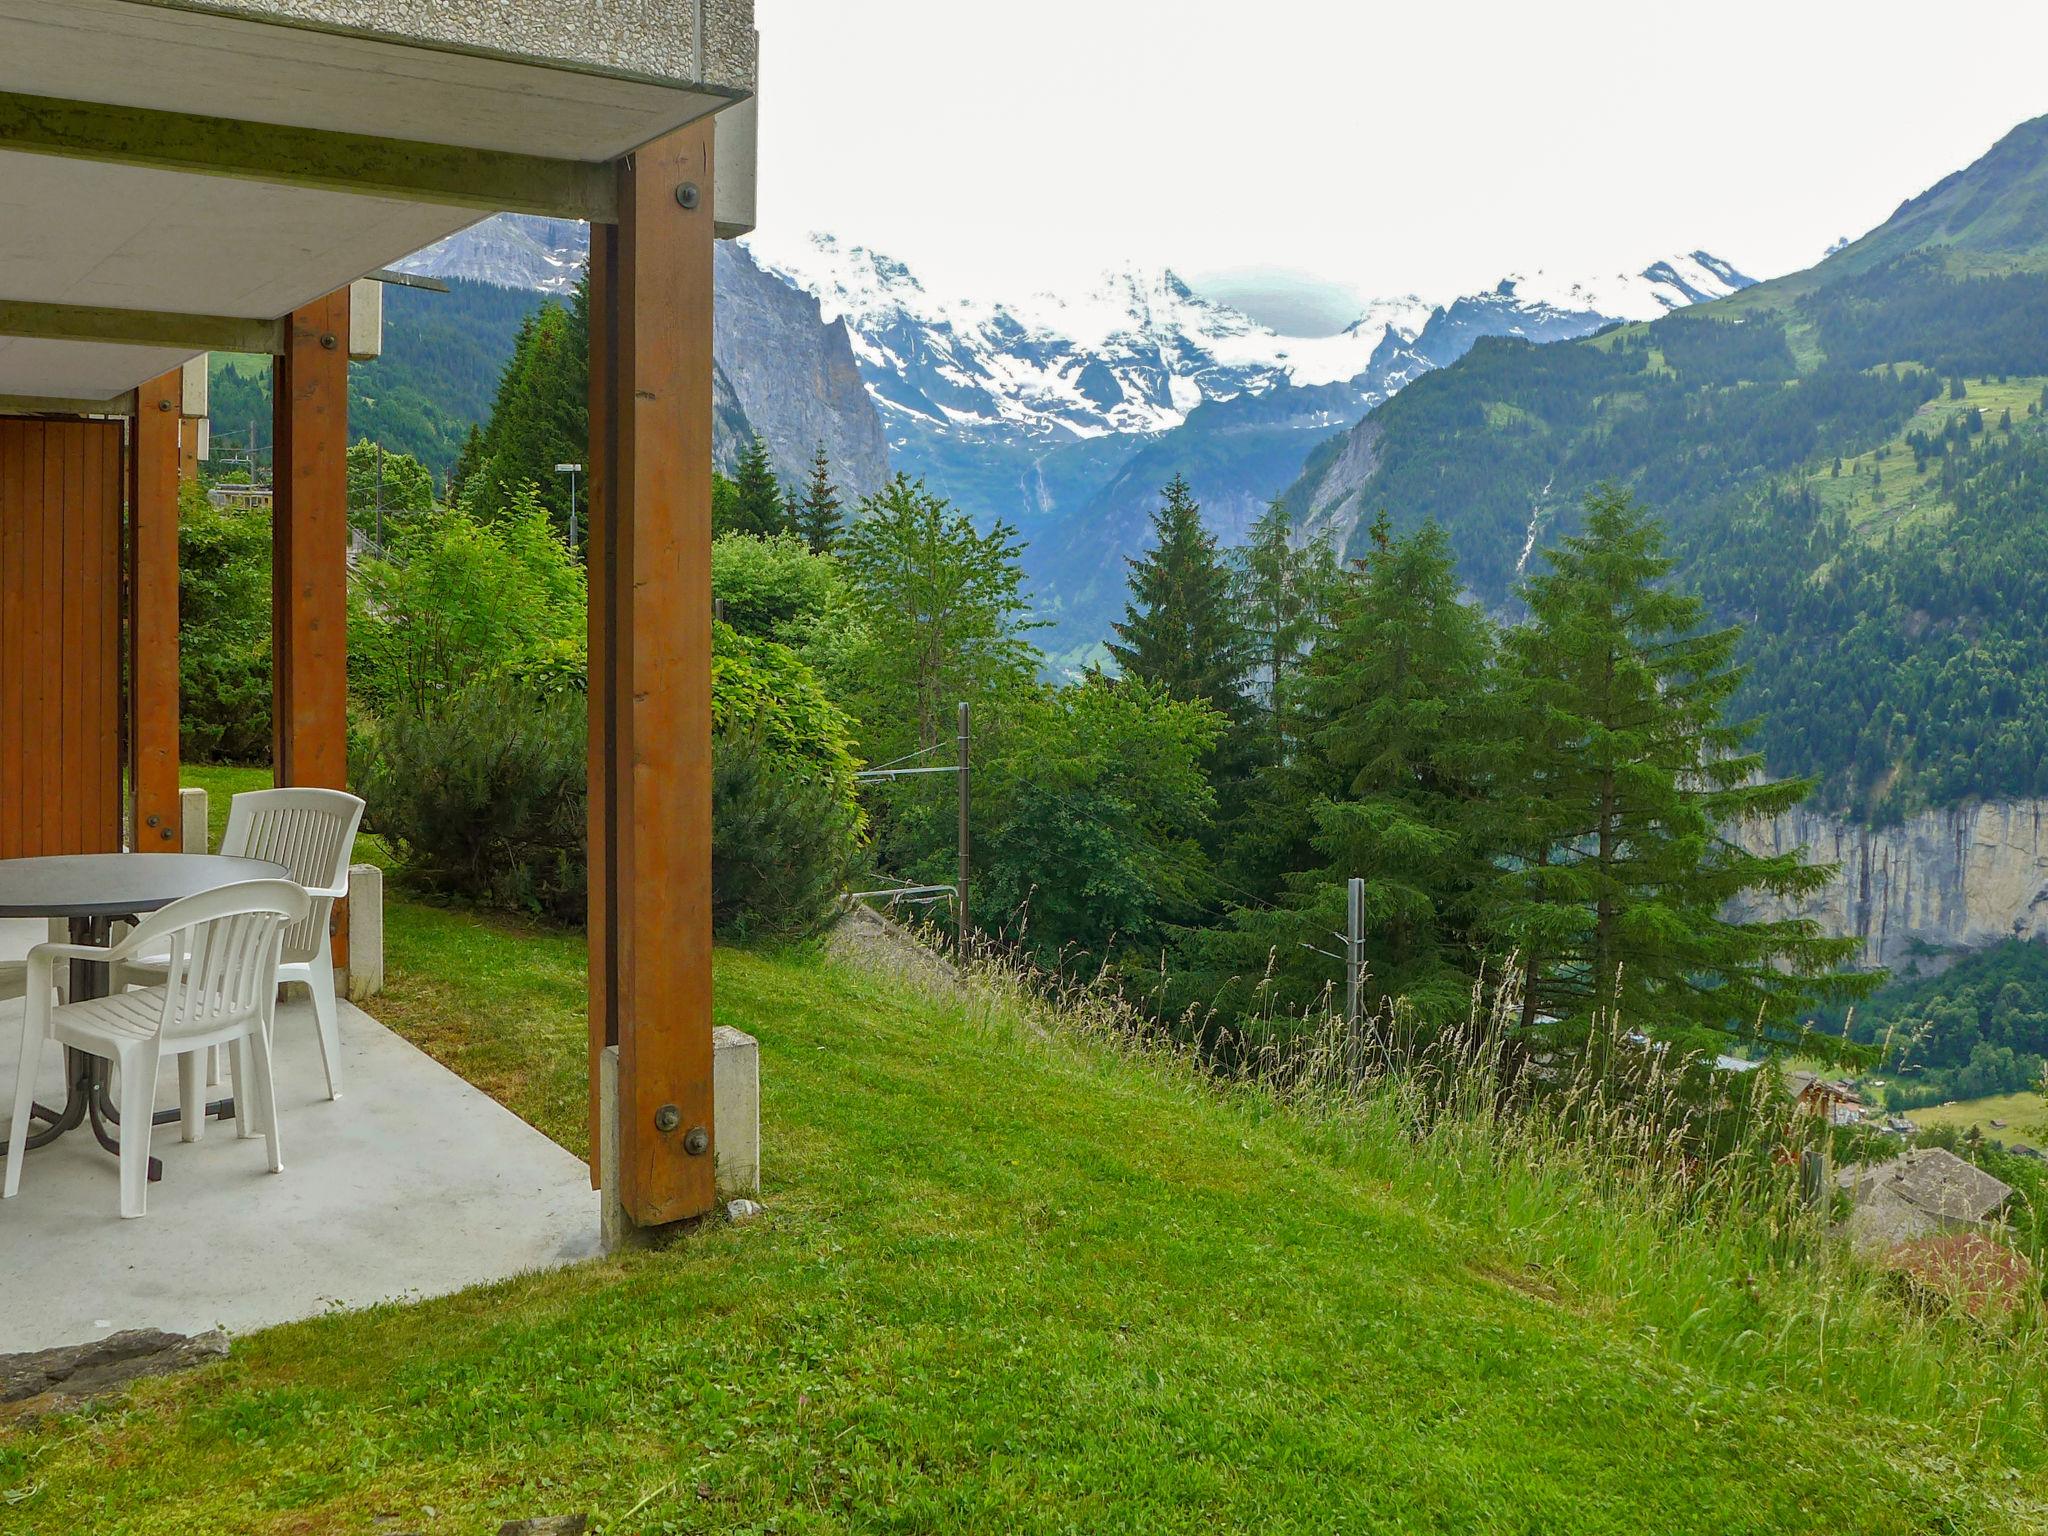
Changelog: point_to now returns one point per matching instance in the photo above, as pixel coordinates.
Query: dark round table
(92, 890)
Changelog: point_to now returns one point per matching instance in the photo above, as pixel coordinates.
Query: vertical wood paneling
(60, 595)
(651, 738)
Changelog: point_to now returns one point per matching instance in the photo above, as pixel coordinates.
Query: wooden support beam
(156, 825)
(309, 557)
(490, 181)
(650, 672)
(139, 327)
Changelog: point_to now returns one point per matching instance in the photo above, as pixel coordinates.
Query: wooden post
(649, 552)
(309, 557)
(157, 823)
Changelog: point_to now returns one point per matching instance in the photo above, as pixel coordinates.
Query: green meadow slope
(1011, 1278)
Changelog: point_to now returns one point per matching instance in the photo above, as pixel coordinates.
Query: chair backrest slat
(224, 948)
(312, 833)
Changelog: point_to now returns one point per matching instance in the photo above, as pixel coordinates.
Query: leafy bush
(764, 690)
(782, 840)
(465, 594)
(772, 587)
(484, 794)
(223, 631)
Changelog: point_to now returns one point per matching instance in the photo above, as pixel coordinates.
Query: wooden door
(60, 637)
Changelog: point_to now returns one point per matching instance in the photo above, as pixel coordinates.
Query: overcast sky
(1427, 147)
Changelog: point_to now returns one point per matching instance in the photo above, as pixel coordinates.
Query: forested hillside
(1852, 461)
(443, 353)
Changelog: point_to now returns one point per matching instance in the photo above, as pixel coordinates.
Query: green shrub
(766, 691)
(483, 795)
(772, 587)
(466, 593)
(782, 841)
(223, 631)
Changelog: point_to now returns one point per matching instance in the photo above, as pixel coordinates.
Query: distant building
(1836, 1101)
(1923, 1192)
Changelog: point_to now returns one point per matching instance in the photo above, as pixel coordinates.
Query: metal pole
(380, 498)
(572, 509)
(960, 905)
(1354, 947)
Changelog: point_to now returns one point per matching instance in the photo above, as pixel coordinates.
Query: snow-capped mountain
(1139, 349)
(1134, 353)
(1062, 413)
(511, 250)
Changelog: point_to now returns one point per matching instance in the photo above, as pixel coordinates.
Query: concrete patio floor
(411, 1184)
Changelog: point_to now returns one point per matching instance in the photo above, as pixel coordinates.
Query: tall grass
(1607, 1176)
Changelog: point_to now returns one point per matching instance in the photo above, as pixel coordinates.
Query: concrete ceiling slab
(123, 54)
(125, 237)
(77, 370)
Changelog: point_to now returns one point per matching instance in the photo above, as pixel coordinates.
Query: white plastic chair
(14, 973)
(312, 833)
(220, 988)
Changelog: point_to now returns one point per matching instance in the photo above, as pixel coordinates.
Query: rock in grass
(740, 1212)
(72, 1373)
(547, 1525)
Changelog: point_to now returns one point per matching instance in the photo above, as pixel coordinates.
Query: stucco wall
(647, 37)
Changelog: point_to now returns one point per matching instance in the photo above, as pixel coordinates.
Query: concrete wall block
(192, 821)
(736, 1111)
(365, 931)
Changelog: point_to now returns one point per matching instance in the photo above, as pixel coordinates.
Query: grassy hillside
(1895, 651)
(1013, 1278)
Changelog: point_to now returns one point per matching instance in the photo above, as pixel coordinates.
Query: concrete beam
(140, 327)
(444, 174)
(57, 405)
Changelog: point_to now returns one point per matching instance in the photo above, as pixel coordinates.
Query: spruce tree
(1285, 595)
(817, 519)
(757, 498)
(1618, 796)
(1180, 630)
(467, 462)
(541, 414)
(1391, 780)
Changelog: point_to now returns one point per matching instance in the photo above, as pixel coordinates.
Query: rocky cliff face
(795, 376)
(1952, 879)
(783, 371)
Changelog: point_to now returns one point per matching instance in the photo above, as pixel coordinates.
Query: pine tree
(541, 414)
(1391, 774)
(757, 498)
(818, 518)
(1285, 594)
(1180, 630)
(1619, 785)
(467, 462)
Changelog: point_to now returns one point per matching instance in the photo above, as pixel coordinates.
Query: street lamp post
(572, 471)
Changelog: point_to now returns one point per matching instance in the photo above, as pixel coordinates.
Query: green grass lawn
(2025, 1116)
(1016, 1282)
